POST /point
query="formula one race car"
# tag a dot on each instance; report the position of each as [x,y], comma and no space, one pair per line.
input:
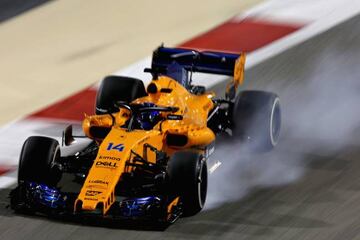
[150,149]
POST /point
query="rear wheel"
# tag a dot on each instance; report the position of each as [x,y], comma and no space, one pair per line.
[117,88]
[38,161]
[257,117]
[188,177]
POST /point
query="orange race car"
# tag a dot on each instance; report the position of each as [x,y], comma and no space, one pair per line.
[149,156]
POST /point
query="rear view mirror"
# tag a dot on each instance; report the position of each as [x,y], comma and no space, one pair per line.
[67,136]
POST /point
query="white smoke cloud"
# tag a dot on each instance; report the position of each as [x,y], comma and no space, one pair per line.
[242,172]
[321,115]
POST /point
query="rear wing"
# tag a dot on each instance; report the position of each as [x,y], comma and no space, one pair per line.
[228,64]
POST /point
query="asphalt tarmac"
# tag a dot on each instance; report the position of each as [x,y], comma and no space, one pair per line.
[310,186]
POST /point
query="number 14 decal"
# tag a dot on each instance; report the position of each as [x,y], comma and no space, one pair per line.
[120,147]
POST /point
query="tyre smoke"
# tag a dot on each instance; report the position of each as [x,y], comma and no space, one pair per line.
[321,116]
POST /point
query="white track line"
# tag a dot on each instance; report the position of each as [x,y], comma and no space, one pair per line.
[343,13]
[295,11]
[8,179]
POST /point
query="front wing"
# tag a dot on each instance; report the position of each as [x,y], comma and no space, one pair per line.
[35,198]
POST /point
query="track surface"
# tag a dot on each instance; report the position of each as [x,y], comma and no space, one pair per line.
[322,204]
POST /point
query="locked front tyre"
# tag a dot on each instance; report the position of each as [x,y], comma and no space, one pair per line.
[188,178]
[257,119]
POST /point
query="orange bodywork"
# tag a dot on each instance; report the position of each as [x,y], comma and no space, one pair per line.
[115,150]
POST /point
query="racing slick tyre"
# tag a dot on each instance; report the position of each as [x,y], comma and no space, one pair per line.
[38,161]
[257,118]
[117,88]
[188,177]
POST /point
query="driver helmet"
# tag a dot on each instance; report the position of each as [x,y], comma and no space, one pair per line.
[148,119]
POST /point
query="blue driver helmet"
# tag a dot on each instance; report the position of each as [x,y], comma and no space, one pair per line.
[148,119]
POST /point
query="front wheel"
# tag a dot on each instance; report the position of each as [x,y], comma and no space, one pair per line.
[188,177]
[38,161]
[257,118]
